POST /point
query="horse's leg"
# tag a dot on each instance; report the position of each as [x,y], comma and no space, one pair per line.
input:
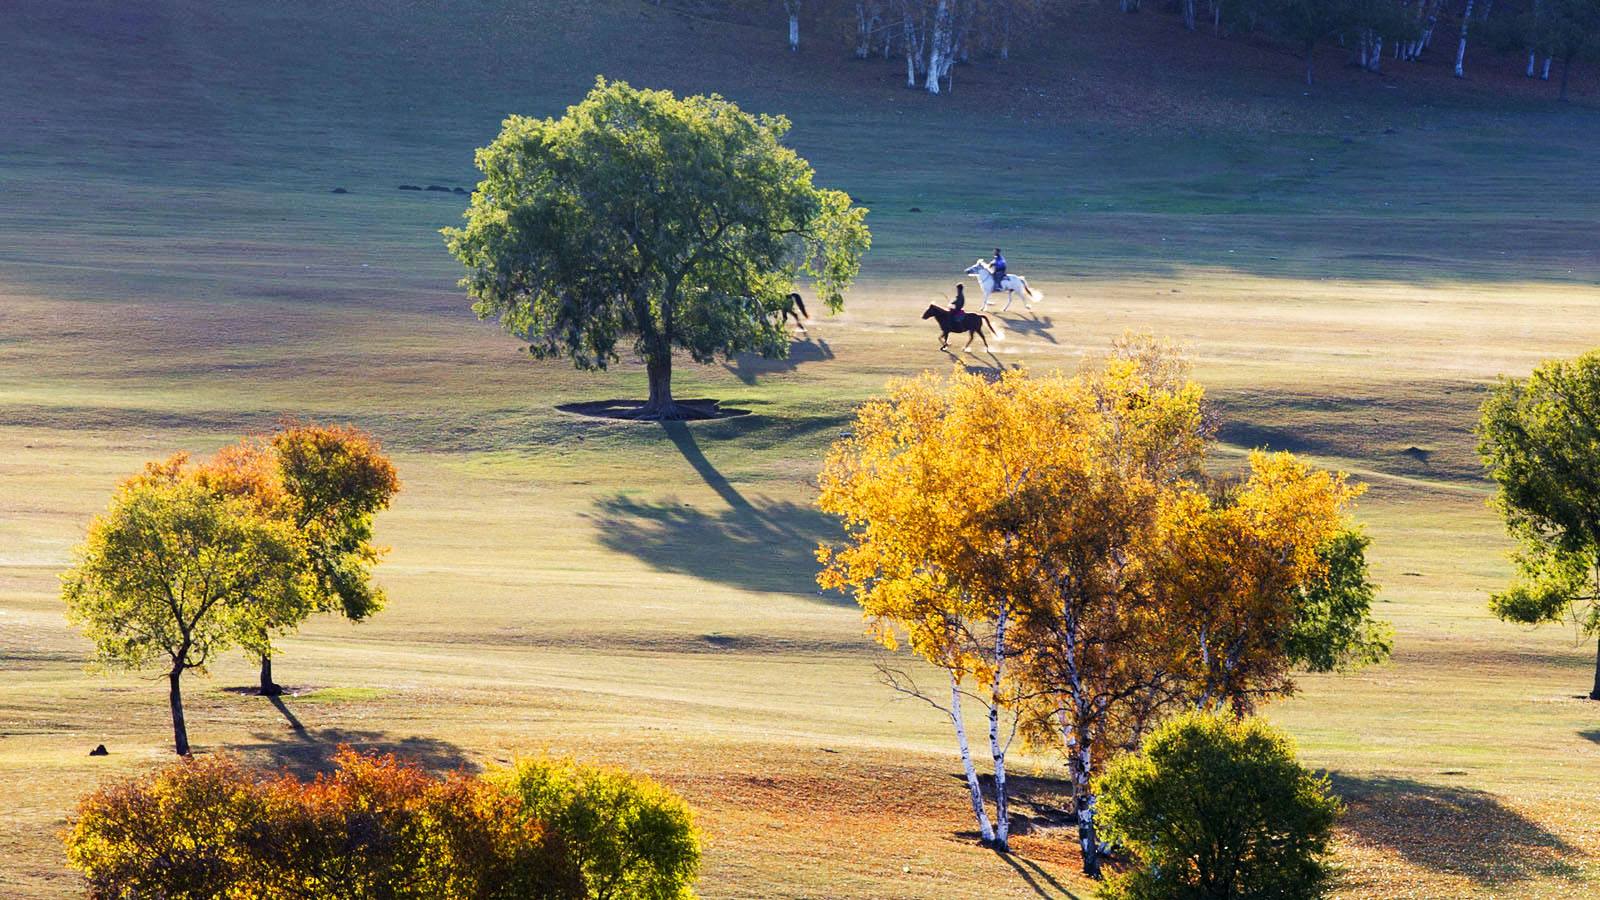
[1010,296]
[968,345]
[979,333]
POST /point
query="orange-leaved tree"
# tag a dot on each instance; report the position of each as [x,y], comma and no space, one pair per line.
[327,482]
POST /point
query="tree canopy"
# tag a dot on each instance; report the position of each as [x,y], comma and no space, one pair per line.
[674,223]
[1056,542]
[1540,440]
[176,572]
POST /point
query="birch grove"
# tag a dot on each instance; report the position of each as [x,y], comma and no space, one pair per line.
[1053,545]
[929,40]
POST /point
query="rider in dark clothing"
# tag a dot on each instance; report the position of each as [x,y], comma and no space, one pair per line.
[958,306]
[998,264]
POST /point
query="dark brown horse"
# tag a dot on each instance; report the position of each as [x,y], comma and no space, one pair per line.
[970,322]
[790,303]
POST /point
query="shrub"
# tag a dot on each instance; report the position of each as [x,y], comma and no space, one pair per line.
[632,837]
[1217,807]
[374,828]
[180,833]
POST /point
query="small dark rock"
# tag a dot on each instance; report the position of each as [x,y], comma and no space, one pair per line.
[410,187]
[99,750]
[459,190]
[916,209]
[338,191]
[439,187]
[1390,131]
[1348,140]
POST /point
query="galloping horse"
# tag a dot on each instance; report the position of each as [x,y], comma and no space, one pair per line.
[970,322]
[1011,284]
[790,303]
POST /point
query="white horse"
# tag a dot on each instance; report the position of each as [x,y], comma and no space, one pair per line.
[1011,284]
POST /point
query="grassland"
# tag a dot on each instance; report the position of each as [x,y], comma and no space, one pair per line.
[175,271]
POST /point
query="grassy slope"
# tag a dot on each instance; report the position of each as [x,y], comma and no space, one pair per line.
[175,271]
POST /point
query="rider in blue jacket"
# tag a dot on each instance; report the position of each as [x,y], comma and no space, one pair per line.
[998,264]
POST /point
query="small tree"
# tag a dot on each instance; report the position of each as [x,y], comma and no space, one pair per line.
[632,837]
[679,223]
[175,573]
[1217,808]
[1540,440]
[336,478]
[327,482]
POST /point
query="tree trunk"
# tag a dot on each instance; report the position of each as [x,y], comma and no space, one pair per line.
[660,405]
[1594,694]
[1002,814]
[1461,49]
[939,48]
[1532,58]
[180,731]
[269,688]
[794,32]
[1310,58]
[1078,763]
[1188,14]
[911,50]
[985,828]
[1545,75]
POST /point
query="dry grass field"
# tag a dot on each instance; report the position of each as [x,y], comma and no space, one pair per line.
[174,272]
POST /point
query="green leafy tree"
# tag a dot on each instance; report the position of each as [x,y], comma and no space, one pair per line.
[174,573]
[632,838]
[1540,440]
[678,223]
[1333,626]
[1217,808]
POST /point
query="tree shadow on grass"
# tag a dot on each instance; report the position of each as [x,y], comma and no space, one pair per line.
[1590,734]
[748,367]
[307,752]
[1453,830]
[759,546]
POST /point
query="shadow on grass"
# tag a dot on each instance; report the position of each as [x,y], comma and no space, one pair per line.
[1034,875]
[1033,326]
[991,372]
[307,752]
[1590,734]
[748,367]
[765,546]
[1454,830]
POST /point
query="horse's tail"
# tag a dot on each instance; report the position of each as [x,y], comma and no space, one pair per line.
[801,303]
[998,335]
[1038,296]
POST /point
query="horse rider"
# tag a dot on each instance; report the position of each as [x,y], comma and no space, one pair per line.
[958,306]
[998,267]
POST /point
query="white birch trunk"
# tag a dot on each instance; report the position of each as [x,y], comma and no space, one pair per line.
[794,32]
[984,827]
[912,51]
[1532,58]
[1461,49]
[938,46]
[1377,53]
[1545,75]
[1001,811]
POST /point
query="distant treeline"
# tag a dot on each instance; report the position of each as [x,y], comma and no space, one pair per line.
[933,36]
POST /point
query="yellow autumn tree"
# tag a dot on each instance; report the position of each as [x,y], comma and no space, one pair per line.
[1232,568]
[1054,544]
